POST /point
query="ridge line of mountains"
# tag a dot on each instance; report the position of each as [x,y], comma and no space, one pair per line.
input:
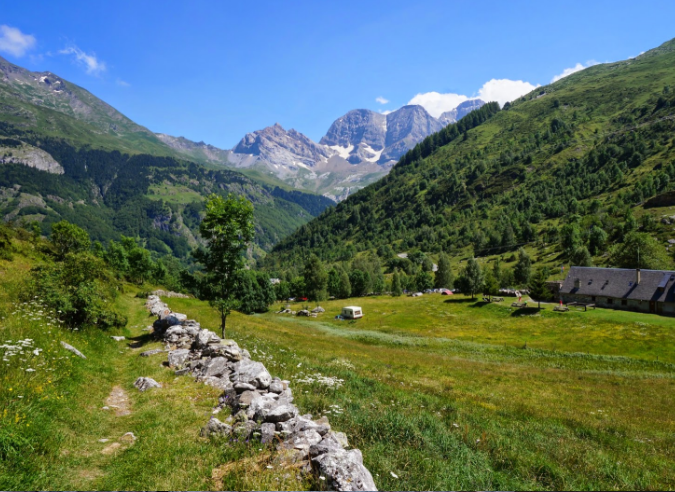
[358,148]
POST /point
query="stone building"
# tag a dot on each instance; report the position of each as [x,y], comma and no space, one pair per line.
[646,291]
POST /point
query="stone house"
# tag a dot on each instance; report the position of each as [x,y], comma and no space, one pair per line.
[646,291]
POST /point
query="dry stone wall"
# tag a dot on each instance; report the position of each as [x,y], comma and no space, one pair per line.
[261,405]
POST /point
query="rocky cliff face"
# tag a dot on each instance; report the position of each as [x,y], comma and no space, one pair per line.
[290,149]
[460,111]
[196,150]
[366,136]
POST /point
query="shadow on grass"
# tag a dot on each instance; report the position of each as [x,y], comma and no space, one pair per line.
[526,311]
[457,301]
[140,340]
[480,304]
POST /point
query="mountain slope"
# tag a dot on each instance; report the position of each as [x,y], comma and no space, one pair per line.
[593,145]
[44,102]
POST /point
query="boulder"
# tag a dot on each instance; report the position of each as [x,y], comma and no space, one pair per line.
[303,312]
[344,470]
[331,442]
[267,433]
[178,357]
[305,439]
[250,372]
[144,384]
[222,383]
[281,413]
[215,367]
[204,338]
[151,352]
[276,387]
[247,397]
[243,430]
[242,387]
[260,407]
[72,349]
[318,309]
[215,427]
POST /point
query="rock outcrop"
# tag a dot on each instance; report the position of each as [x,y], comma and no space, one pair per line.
[261,406]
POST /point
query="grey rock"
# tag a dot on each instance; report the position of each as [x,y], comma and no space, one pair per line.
[215,367]
[305,439]
[215,427]
[247,397]
[178,357]
[118,339]
[151,352]
[276,387]
[204,338]
[344,470]
[144,384]
[281,413]
[222,383]
[243,430]
[330,442]
[318,309]
[250,372]
[175,330]
[72,349]
[182,372]
[242,387]
[267,433]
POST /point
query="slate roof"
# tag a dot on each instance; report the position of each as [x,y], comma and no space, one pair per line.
[619,283]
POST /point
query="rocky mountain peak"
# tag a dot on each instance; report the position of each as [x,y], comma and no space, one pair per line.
[454,115]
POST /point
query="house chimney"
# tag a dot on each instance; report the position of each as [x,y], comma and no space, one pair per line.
[638,277]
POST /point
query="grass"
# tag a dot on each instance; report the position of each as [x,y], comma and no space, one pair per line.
[51,420]
[445,395]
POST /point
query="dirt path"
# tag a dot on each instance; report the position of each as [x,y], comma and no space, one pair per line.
[118,400]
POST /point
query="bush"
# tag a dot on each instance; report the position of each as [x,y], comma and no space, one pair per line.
[80,289]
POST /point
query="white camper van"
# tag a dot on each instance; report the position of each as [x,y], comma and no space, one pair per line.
[352,312]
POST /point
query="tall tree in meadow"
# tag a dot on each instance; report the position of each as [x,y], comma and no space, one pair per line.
[522,270]
[316,279]
[345,287]
[443,278]
[396,289]
[471,279]
[228,230]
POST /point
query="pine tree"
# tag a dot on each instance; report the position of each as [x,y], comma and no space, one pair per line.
[316,279]
[444,278]
[396,289]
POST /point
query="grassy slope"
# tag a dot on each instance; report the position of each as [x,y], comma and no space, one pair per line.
[440,393]
[443,394]
[51,420]
[592,102]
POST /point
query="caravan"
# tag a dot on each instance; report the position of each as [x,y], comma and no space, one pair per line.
[352,312]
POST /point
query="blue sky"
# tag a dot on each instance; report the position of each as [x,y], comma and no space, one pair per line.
[215,70]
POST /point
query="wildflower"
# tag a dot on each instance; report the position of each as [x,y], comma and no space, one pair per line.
[393,474]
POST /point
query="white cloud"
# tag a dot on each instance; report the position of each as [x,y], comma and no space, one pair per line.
[122,83]
[91,64]
[436,103]
[381,100]
[14,42]
[504,90]
[576,68]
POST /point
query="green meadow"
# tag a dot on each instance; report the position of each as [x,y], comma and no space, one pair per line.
[438,393]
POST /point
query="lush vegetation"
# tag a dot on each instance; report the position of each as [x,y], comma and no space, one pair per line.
[562,172]
[112,194]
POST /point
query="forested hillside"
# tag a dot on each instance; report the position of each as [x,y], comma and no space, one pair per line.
[156,199]
[564,171]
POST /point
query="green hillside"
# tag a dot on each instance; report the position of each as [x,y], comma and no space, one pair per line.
[545,173]
[157,199]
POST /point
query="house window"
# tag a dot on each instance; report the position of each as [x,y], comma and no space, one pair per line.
[624,302]
[610,301]
[593,298]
